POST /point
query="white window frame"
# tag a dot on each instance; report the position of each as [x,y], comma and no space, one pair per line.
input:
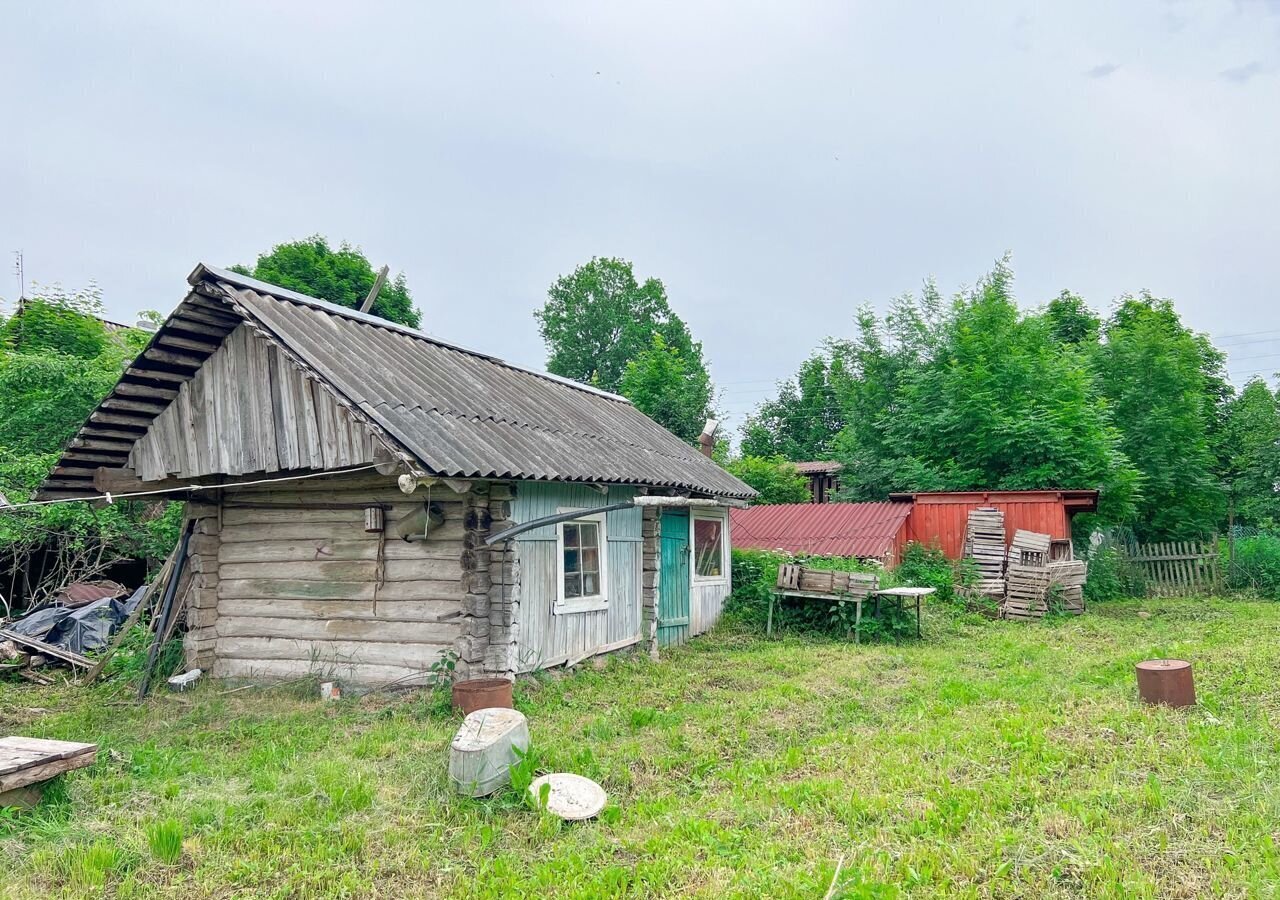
[596,601]
[718,516]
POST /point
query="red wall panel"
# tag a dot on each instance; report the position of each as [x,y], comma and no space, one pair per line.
[940,519]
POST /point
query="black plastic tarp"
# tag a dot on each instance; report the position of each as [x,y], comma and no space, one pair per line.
[84,630]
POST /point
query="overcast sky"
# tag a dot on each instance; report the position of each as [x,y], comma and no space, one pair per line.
[776,165]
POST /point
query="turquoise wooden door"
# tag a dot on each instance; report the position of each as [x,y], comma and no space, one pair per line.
[673,585]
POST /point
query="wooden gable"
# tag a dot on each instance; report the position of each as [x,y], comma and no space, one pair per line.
[249,409]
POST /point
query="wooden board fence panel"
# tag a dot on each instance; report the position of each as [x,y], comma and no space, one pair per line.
[1178,568]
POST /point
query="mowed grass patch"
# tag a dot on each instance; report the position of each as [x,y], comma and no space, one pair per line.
[990,760]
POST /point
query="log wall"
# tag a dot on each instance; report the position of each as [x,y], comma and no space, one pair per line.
[296,586]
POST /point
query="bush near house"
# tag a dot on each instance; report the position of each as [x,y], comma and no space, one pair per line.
[1256,566]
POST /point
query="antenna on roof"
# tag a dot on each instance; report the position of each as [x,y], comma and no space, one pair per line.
[373,292]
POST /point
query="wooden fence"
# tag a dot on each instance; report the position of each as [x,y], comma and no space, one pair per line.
[1178,568]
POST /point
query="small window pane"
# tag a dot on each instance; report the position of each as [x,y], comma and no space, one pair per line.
[590,534]
[590,584]
[571,535]
[571,563]
[591,560]
[708,548]
[572,585]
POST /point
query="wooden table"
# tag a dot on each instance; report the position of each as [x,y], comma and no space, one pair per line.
[857,599]
[904,594]
[25,763]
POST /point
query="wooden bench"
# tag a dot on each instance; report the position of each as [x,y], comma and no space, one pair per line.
[795,582]
[26,763]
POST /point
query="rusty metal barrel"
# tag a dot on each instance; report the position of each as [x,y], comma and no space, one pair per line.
[1166,681]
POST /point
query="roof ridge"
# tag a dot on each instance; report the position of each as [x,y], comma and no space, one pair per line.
[206,272]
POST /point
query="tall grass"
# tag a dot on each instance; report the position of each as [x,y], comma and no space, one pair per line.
[165,840]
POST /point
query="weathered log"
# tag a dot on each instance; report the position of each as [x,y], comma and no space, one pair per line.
[336,629]
[388,610]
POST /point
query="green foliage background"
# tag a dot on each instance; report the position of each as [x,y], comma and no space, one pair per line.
[57,360]
[975,392]
[774,477]
[343,276]
[604,328]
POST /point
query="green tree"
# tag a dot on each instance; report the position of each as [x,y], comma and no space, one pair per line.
[57,361]
[599,318]
[972,393]
[1252,442]
[1163,387]
[669,388]
[803,420]
[774,477]
[343,276]
[1072,321]
[67,322]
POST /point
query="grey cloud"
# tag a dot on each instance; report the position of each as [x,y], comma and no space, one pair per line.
[1103,70]
[477,151]
[1241,74]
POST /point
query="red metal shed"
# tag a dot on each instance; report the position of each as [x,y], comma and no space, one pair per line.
[940,518]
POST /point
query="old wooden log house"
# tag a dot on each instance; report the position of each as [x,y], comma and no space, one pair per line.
[405,456]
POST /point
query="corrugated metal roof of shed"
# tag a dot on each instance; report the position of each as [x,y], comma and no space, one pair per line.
[467,414]
[818,467]
[864,530]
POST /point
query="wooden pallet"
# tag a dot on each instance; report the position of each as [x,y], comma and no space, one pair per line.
[1029,548]
[26,763]
[1027,592]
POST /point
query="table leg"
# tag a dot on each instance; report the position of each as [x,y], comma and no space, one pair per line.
[857,622]
[768,629]
[918,599]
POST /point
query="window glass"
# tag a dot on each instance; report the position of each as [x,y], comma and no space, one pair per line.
[581,563]
[708,548]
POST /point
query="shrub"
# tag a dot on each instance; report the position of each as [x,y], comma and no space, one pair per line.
[923,566]
[1257,566]
[1111,575]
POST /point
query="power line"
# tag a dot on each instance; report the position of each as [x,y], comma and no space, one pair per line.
[110,498]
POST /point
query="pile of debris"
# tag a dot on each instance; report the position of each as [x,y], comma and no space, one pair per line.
[1026,577]
[81,619]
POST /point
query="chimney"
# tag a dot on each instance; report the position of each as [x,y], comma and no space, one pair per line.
[707,440]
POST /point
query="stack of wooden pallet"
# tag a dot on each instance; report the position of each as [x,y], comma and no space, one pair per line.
[984,544]
[1033,581]
[1027,591]
[1066,584]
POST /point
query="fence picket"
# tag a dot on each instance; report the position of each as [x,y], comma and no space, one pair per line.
[1177,568]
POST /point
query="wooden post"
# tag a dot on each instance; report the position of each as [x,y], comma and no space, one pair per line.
[373,292]
[1231,531]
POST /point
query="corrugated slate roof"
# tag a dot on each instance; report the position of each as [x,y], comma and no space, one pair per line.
[864,530]
[461,413]
[817,467]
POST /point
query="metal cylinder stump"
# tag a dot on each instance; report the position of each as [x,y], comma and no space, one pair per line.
[1166,681]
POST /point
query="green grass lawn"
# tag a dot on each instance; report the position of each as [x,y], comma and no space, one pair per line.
[991,760]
